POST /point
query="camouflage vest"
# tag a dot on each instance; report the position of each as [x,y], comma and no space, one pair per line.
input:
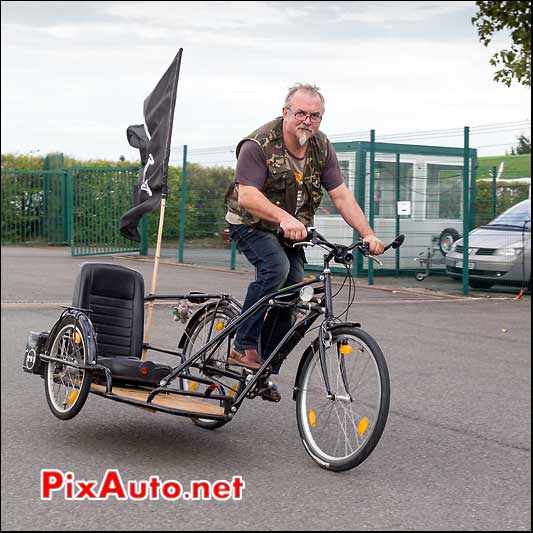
[280,185]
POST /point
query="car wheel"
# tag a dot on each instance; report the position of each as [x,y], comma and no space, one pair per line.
[447,237]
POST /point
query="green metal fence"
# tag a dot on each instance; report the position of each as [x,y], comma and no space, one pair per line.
[80,207]
[34,207]
[417,189]
[98,197]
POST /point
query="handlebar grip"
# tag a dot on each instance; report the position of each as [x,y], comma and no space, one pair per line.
[281,234]
[396,243]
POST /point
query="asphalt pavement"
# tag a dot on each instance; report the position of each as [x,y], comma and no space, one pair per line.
[455,454]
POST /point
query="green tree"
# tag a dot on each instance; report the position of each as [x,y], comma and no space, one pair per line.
[22,162]
[516,17]
[524,145]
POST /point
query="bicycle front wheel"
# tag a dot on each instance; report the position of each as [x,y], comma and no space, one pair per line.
[340,430]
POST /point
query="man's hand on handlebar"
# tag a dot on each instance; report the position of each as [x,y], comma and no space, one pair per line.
[293,229]
[375,246]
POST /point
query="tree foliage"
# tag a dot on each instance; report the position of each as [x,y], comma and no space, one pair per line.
[22,162]
[515,16]
[524,145]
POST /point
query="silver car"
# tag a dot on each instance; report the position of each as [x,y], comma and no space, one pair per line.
[498,252]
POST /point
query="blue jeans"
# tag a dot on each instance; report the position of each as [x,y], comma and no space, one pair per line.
[276,266]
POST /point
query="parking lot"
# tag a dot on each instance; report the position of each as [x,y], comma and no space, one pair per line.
[455,454]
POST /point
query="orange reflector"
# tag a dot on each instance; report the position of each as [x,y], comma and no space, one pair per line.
[192,386]
[345,349]
[233,391]
[219,326]
[362,426]
[312,418]
[72,397]
[77,338]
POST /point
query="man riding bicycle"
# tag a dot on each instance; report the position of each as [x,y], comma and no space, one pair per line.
[281,170]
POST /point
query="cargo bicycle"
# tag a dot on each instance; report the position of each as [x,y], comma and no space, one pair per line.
[341,388]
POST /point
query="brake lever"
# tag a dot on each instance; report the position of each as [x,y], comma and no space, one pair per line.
[370,256]
[302,244]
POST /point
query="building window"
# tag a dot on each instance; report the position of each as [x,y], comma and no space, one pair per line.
[444,191]
[385,192]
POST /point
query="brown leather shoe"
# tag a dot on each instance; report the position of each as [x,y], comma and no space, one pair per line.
[249,359]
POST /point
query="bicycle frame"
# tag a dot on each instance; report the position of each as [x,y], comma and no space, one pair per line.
[282,350]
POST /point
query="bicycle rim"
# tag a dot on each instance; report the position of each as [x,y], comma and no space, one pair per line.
[339,432]
[210,325]
[67,387]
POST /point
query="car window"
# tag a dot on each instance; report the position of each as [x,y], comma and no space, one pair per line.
[518,215]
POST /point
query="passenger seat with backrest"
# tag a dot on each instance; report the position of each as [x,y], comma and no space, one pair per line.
[114,295]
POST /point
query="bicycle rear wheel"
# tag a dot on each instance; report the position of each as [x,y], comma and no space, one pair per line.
[340,431]
[67,387]
[208,324]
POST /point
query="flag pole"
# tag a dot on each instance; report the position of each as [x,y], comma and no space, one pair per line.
[154,278]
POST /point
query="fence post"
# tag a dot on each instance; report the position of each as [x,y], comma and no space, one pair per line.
[371,198]
[183,204]
[494,173]
[397,232]
[360,192]
[143,249]
[473,190]
[233,258]
[466,209]
[68,208]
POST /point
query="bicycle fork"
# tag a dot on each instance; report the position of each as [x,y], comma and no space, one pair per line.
[324,335]
[324,342]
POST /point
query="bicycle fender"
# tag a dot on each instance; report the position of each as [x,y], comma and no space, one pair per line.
[85,325]
[313,348]
[199,314]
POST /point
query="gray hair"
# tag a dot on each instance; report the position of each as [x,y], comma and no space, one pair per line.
[307,87]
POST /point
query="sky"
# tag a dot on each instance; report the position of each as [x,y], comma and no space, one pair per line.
[75,74]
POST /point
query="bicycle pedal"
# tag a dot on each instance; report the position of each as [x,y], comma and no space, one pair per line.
[270,393]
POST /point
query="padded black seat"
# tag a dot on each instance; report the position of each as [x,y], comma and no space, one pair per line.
[115,296]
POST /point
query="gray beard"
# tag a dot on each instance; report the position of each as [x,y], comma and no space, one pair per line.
[302,139]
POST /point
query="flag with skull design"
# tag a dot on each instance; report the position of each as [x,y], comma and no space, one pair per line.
[153,141]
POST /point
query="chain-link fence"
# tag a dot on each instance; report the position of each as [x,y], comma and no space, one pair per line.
[432,186]
[417,187]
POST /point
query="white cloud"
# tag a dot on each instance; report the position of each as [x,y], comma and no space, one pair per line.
[77,87]
[378,13]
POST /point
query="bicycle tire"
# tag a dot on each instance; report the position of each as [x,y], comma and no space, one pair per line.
[209,322]
[361,410]
[66,387]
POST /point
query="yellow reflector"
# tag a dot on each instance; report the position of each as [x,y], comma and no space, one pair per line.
[345,349]
[72,397]
[362,426]
[219,326]
[192,386]
[312,418]
[77,338]
[233,391]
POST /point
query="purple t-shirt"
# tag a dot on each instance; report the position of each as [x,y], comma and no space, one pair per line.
[252,169]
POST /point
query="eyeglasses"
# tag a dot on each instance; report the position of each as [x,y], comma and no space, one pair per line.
[302,115]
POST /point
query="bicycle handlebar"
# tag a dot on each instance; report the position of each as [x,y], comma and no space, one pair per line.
[340,252]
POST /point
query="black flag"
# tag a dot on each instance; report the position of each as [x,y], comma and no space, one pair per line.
[151,185]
